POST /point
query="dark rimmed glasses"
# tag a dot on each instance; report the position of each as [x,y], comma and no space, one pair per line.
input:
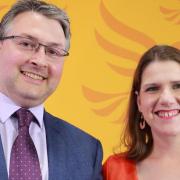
[32,45]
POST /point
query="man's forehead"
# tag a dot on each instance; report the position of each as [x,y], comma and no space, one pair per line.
[37,25]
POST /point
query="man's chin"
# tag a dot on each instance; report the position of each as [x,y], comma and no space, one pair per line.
[28,100]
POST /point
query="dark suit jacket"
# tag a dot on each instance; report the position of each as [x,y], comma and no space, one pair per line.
[72,154]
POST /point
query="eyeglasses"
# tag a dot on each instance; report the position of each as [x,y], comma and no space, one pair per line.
[32,45]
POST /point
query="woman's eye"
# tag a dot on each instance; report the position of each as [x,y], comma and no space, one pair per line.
[151,89]
[176,86]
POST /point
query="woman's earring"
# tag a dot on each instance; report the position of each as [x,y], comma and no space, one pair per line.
[142,123]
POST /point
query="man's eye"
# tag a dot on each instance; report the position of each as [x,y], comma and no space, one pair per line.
[52,52]
[27,44]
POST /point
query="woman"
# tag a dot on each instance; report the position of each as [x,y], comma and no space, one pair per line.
[152,134]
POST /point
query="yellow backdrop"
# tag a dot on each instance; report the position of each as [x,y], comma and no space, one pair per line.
[108,37]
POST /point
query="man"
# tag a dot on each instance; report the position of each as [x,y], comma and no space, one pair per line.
[34,40]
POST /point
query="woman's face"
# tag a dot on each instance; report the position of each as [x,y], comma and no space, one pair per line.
[159,97]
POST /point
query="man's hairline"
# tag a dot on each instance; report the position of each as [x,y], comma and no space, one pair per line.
[9,24]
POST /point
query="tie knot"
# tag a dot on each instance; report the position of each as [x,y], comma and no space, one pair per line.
[24,117]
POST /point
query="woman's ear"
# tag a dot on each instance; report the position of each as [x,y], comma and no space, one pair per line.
[1,44]
[138,101]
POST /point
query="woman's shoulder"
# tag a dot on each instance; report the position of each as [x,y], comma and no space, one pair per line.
[120,167]
[118,160]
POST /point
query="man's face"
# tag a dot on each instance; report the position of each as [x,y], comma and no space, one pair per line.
[29,80]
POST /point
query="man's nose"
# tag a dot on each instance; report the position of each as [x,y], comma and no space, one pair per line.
[39,56]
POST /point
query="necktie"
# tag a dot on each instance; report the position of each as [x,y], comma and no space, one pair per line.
[24,163]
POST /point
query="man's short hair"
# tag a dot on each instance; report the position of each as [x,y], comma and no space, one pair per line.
[48,10]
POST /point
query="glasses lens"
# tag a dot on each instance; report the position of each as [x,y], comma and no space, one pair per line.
[55,52]
[31,46]
[25,43]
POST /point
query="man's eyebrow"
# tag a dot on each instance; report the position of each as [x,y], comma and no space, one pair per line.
[47,43]
[28,36]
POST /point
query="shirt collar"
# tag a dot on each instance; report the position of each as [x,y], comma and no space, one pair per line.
[8,107]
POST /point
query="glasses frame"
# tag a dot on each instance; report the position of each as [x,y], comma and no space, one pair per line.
[38,44]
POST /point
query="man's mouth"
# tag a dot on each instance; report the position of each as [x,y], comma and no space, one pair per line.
[33,75]
[167,113]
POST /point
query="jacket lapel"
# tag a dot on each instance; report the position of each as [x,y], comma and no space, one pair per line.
[55,148]
[3,169]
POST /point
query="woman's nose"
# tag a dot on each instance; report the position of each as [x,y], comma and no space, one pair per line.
[167,97]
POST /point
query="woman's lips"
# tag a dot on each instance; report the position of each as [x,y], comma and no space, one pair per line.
[167,114]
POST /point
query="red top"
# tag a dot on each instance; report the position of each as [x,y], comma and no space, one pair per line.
[118,168]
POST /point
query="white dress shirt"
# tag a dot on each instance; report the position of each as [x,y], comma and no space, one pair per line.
[9,132]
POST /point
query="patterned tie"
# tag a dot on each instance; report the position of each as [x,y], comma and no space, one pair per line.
[24,163]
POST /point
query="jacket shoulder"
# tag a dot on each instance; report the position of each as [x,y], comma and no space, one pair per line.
[69,130]
[71,146]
